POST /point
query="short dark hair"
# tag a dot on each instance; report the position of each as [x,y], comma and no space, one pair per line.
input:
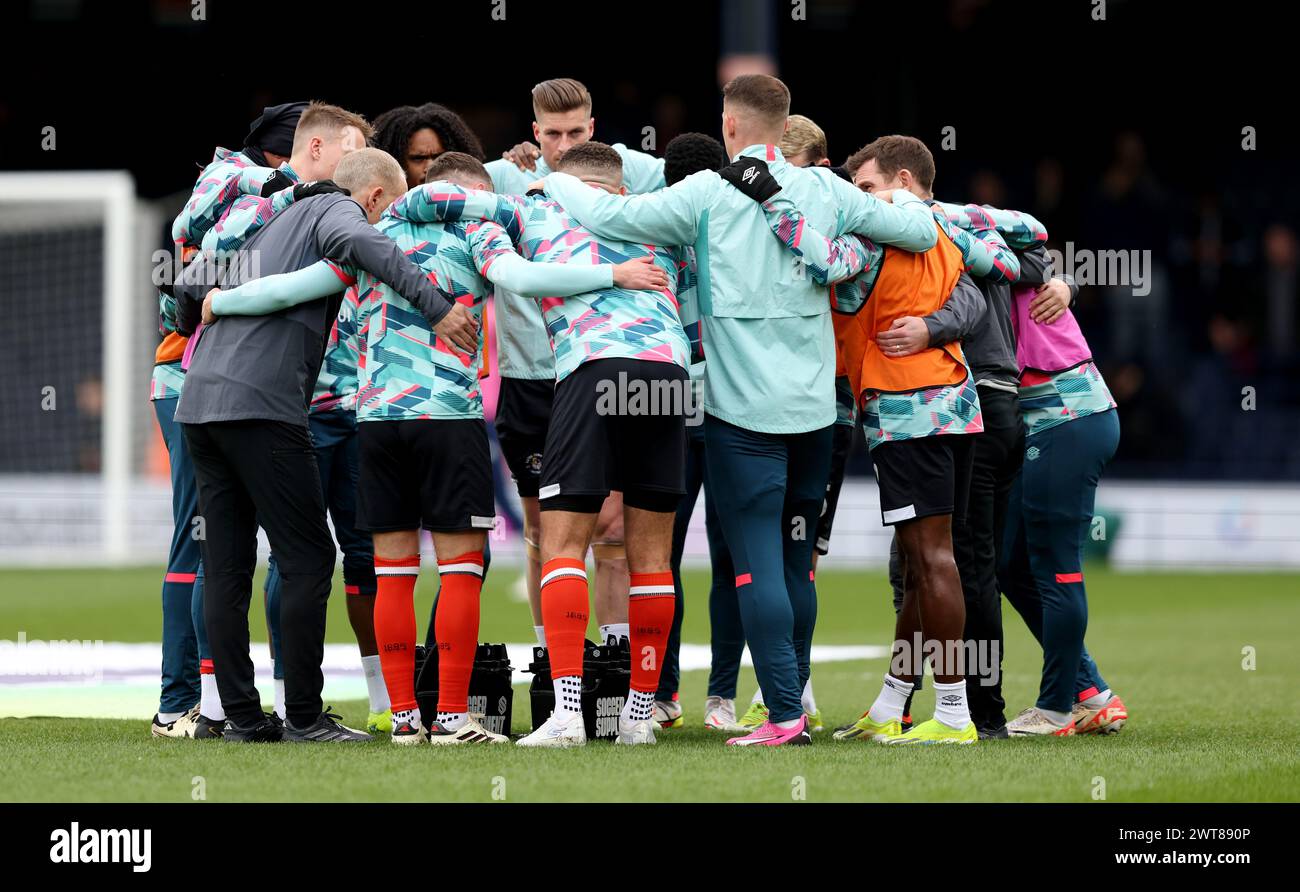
[452,164]
[895,153]
[591,157]
[690,153]
[761,94]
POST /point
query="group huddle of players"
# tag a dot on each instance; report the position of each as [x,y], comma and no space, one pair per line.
[769,304]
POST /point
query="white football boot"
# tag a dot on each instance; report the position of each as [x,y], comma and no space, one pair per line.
[180,728]
[635,733]
[720,715]
[470,732]
[567,731]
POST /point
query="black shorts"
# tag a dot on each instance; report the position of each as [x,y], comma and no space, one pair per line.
[435,474]
[618,424]
[923,477]
[522,419]
[841,442]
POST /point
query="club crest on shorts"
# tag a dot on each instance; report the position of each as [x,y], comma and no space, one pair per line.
[534,463]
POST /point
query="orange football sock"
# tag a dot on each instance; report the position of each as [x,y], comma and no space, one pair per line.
[455,626]
[395,627]
[650,605]
[565,612]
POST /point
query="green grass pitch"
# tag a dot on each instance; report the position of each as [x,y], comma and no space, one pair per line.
[1202,727]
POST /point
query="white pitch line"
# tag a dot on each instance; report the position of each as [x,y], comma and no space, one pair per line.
[120,680]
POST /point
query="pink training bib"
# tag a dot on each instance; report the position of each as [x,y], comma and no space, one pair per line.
[1047,348]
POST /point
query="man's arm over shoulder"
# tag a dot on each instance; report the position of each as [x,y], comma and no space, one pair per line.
[983,251]
[668,217]
[441,202]
[244,218]
[279,291]
[343,234]
[1018,229]
[828,260]
[884,223]
[218,186]
[495,258]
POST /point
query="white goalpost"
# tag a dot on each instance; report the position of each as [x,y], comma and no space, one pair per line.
[35,210]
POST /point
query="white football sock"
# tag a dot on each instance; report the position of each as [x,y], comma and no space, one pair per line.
[758,696]
[452,721]
[950,706]
[808,700]
[639,706]
[568,696]
[407,715]
[786,726]
[376,690]
[210,700]
[279,697]
[890,701]
[615,631]
[540,632]
[1097,701]
[166,718]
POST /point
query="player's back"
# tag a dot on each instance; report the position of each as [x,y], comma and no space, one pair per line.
[761,279]
[612,322]
[407,371]
[765,318]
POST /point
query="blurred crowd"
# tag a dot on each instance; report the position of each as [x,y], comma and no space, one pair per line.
[1202,357]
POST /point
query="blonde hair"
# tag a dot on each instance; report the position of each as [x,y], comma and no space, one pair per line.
[560,94]
[359,170]
[328,121]
[803,136]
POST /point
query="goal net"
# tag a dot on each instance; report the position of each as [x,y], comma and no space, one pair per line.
[79,480]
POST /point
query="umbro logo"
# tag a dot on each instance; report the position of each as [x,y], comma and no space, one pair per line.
[750,174]
[1032,453]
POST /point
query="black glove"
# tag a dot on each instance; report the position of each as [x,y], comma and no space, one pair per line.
[751,176]
[318,187]
[280,180]
[275,182]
